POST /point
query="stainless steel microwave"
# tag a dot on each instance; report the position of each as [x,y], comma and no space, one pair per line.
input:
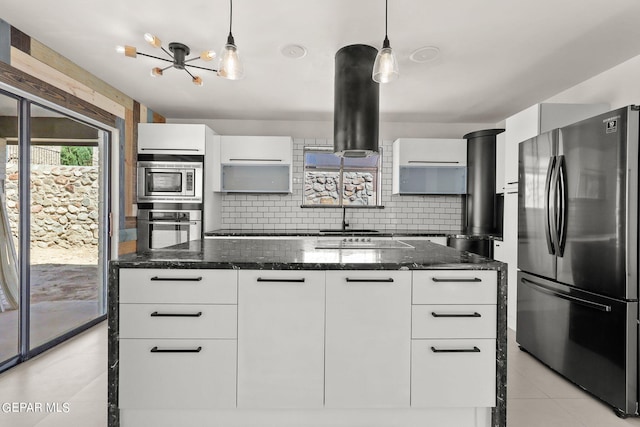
[169,182]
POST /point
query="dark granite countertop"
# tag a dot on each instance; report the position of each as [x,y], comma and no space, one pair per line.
[311,232]
[297,254]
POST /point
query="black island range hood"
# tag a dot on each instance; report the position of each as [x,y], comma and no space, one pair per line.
[356,102]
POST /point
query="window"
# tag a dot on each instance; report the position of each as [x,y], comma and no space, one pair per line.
[331,180]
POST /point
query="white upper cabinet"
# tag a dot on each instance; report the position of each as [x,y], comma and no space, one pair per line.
[253,164]
[173,138]
[538,119]
[429,166]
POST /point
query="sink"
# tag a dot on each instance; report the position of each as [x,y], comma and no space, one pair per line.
[354,231]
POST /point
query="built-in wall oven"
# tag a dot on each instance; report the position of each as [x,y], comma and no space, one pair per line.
[169,179]
[160,228]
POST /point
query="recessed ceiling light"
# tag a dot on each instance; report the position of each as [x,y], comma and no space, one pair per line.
[424,54]
[293,51]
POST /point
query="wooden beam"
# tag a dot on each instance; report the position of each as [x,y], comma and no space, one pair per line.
[20,40]
[130,157]
[127,247]
[42,71]
[53,59]
[24,81]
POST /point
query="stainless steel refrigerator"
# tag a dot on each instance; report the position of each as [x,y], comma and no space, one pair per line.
[577,291]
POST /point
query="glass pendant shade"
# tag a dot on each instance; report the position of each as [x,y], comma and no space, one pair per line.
[230,65]
[385,67]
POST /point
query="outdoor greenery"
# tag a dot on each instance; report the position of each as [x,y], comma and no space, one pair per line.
[76,156]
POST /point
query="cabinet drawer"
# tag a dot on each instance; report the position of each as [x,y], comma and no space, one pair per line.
[453,321]
[455,287]
[453,373]
[179,286]
[177,374]
[178,321]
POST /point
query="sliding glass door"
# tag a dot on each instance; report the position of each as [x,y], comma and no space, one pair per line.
[53,238]
[9,230]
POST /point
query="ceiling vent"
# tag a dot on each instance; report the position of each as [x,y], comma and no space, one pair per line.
[356,102]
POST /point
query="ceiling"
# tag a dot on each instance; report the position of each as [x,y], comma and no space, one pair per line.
[497,57]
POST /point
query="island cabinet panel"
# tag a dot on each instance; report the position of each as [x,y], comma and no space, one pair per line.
[177,340]
[455,287]
[453,373]
[368,339]
[177,374]
[178,286]
[453,350]
[281,339]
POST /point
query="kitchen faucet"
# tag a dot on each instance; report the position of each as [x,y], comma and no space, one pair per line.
[345,224]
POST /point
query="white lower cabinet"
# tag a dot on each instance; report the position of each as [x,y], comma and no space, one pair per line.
[177,374]
[368,339]
[453,373]
[306,347]
[281,339]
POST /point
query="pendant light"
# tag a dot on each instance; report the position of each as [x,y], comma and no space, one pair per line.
[230,66]
[385,68]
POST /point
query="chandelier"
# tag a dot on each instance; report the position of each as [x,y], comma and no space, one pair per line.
[229,66]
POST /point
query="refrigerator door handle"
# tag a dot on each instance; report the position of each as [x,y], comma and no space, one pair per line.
[586,303]
[562,201]
[547,207]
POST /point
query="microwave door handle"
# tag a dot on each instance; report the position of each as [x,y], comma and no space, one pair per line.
[562,205]
[547,206]
[148,181]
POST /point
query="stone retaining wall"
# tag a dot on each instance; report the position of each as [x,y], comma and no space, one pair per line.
[64,205]
[321,188]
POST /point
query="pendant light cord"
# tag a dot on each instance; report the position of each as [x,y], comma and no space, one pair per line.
[385,43]
[231,14]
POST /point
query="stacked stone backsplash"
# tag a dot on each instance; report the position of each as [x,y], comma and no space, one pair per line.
[283,211]
[64,205]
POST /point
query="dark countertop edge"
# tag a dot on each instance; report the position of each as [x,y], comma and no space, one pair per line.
[169,264]
[316,233]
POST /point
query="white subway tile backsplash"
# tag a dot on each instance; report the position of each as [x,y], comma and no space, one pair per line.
[271,211]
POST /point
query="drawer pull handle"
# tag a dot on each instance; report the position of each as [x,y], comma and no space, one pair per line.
[453,279]
[255,160]
[175,279]
[388,280]
[176,350]
[262,279]
[456,350]
[156,314]
[474,314]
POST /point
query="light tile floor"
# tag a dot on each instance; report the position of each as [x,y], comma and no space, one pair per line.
[76,373]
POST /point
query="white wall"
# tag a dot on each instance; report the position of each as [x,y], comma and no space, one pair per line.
[618,86]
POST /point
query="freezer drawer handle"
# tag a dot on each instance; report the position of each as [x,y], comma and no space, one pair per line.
[176,350]
[474,314]
[455,350]
[156,314]
[262,279]
[453,279]
[176,279]
[590,304]
[388,280]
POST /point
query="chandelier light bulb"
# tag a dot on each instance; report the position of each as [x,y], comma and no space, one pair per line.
[197,80]
[156,72]
[208,55]
[152,40]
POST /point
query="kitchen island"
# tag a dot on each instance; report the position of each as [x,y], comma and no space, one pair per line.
[243,332]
